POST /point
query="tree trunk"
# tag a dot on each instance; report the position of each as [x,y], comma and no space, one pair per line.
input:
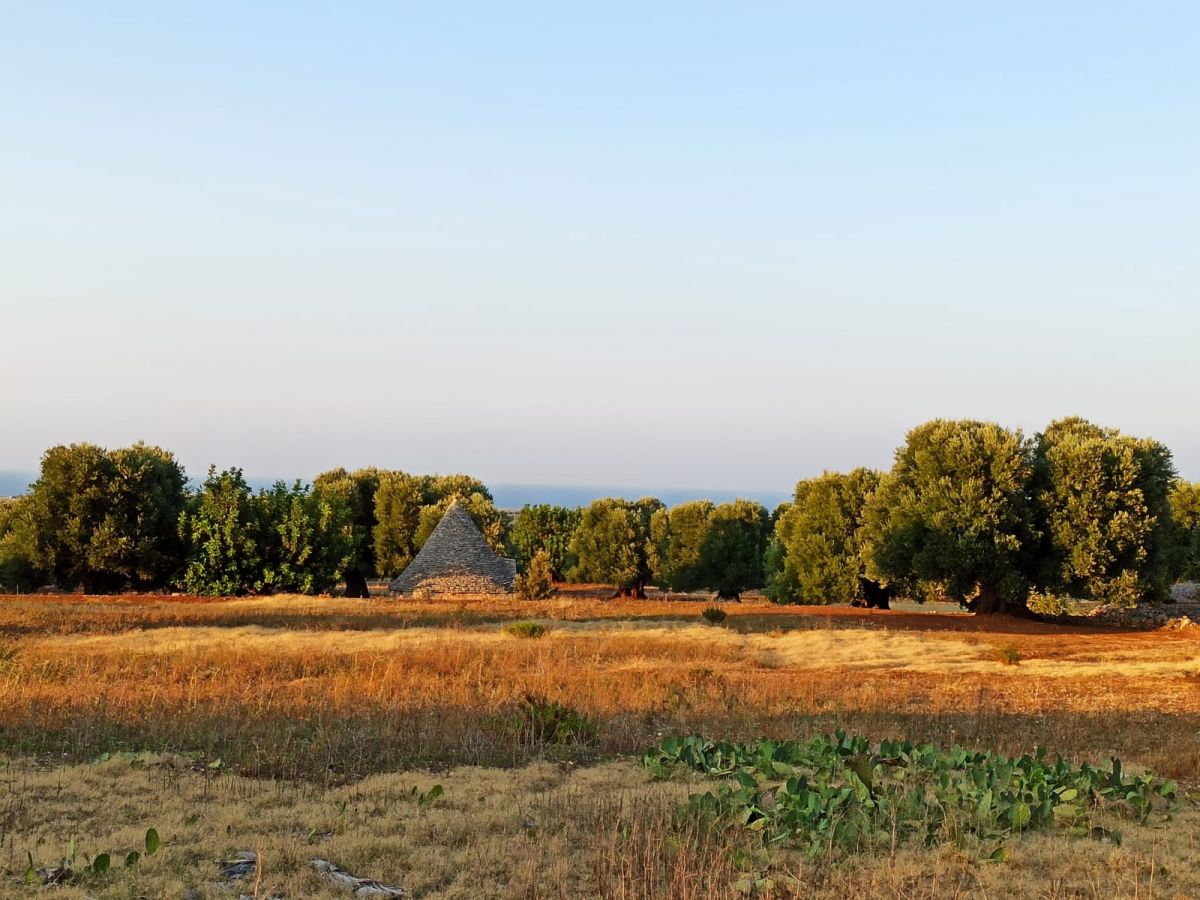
[356,584]
[988,602]
[735,596]
[873,595]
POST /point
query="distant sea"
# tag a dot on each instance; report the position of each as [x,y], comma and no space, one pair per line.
[514,496]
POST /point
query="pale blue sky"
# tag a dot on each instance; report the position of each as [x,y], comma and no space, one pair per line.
[690,245]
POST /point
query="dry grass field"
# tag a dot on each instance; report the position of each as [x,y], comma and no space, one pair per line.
[300,727]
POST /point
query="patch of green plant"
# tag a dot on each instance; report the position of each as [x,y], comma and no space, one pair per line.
[846,793]
[525,629]
[429,797]
[1008,655]
[538,720]
[69,868]
[1048,604]
[714,615]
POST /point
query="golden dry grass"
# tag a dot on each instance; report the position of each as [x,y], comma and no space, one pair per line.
[540,831]
[326,693]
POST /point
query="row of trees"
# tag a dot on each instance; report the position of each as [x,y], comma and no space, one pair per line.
[983,515]
[970,510]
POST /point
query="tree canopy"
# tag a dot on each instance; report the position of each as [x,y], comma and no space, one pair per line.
[544,527]
[282,539]
[1103,501]
[818,534]
[955,509]
[105,519]
[1185,515]
[611,544]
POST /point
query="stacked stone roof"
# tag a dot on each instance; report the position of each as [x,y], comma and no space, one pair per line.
[456,559]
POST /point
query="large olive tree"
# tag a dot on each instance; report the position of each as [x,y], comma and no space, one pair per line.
[956,510]
[1104,504]
[677,539]
[818,538]
[700,546]
[611,544]
[106,519]
[731,558]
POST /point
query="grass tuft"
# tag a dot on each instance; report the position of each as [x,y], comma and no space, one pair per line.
[525,629]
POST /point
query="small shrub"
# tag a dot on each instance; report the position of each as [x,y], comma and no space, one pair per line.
[538,720]
[525,629]
[1048,604]
[537,581]
[1008,655]
[714,615]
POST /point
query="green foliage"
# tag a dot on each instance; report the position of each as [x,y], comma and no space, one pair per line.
[714,615]
[698,545]
[429,797]
[70,871]
[819,554]
[282,539]
[550,722]
[398,514]
[536,582]
[105,519]
[1044,603]
[611,544]
[221,531]
[677,539]
[525,629]
[17,553]
[1185,515]
[409,507]
[843,793]
[956,510]
[539,721]
[544,527]
[1008,654]
[1104,504]
[306,539]
[732,556]
[356,492]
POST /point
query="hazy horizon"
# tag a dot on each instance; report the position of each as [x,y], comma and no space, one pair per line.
[695,247]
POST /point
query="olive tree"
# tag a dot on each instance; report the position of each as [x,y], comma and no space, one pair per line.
[106,519]
[677,538]
[698,545]
[731,558]
[307,539]
[285,538]
[17,570]
[611,544]
[355,491]
[1103,499]
[1185,513]
[955,510]
[544,527]
[818,540]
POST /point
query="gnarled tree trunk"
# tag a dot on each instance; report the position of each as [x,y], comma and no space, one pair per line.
[356,584]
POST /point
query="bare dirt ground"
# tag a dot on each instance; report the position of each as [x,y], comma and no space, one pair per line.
[299,727]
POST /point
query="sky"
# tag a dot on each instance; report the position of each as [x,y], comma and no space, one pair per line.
[711,246]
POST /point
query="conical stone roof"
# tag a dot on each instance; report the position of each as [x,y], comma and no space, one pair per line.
[456,559]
